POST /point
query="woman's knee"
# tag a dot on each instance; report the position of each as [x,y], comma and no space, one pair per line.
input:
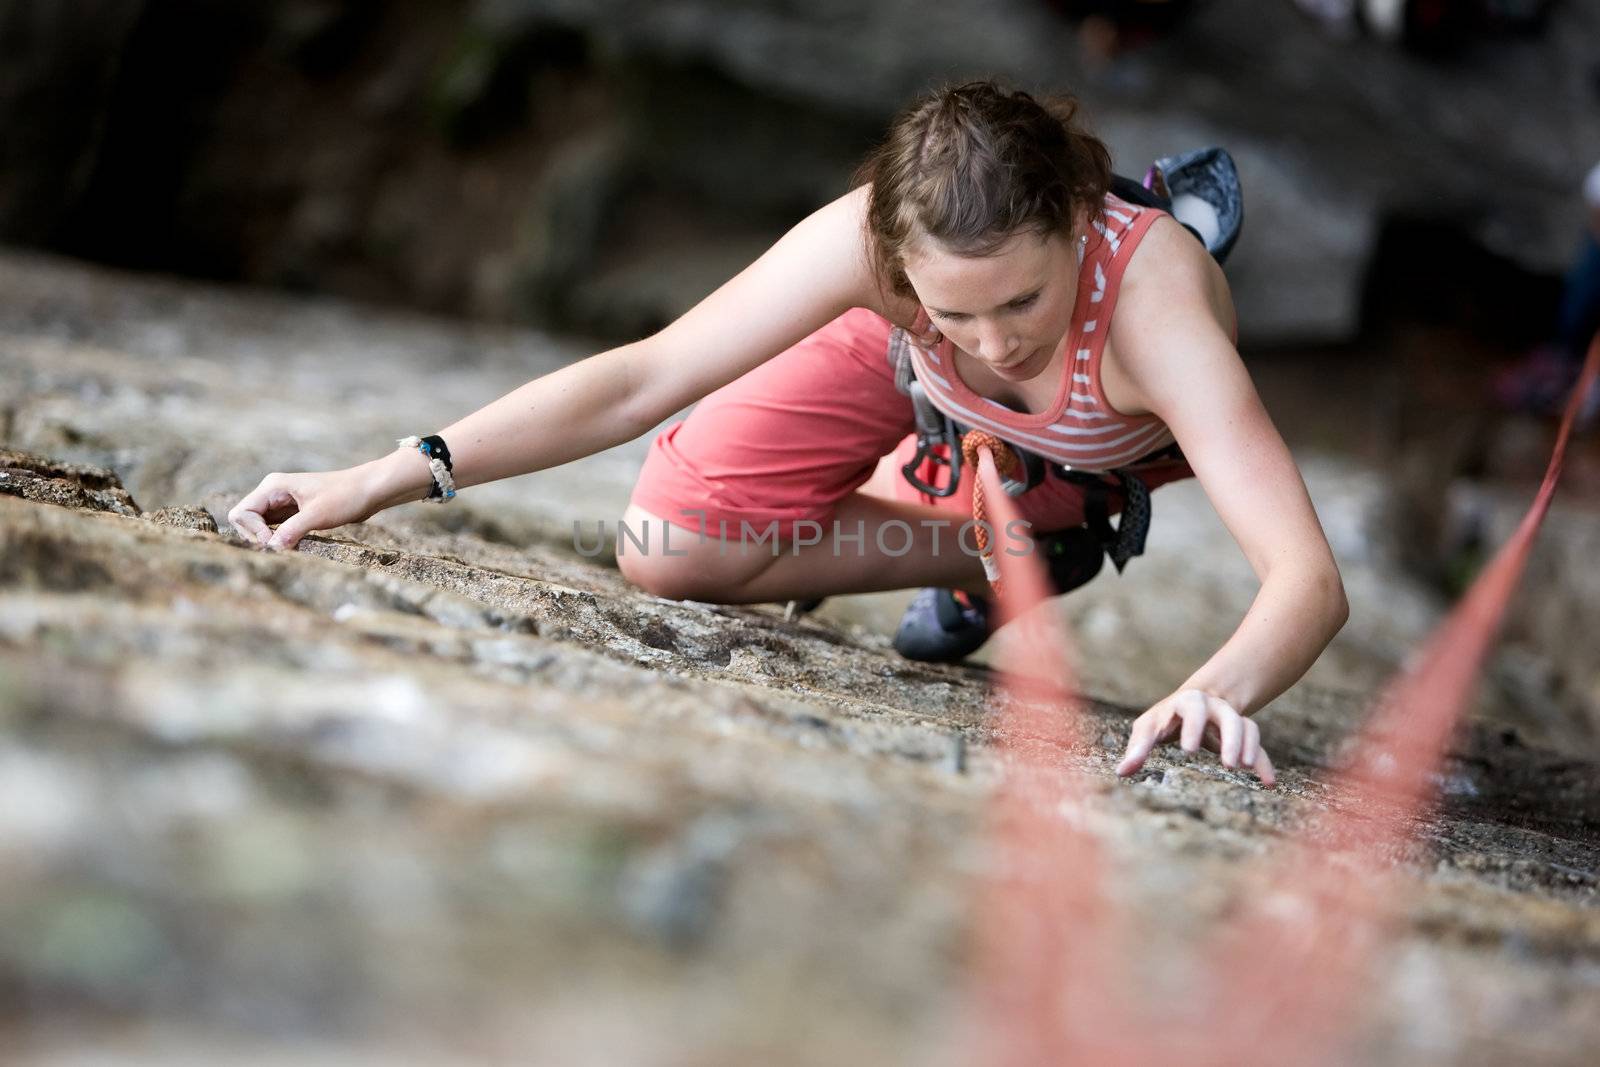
[662,577]
[683,579]
[695,570]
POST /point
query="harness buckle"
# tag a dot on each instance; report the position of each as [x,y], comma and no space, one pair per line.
[934,428]
[1033,471]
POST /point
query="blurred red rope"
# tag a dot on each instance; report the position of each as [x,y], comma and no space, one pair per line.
[1051,958]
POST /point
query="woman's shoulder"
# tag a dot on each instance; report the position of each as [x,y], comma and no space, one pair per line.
[1170,266]
[1173,298]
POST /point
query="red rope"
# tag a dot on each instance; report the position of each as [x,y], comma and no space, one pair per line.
[1008,465]
[1054,961]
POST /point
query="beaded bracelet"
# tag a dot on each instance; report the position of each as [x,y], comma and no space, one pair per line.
[438,453]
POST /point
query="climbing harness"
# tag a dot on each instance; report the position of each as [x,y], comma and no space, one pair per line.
[1199,189]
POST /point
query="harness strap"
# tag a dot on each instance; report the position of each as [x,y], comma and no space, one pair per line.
[935,428]
[1125,540]
[900,359]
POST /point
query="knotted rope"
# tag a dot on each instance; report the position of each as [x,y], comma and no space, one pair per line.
[1008,465]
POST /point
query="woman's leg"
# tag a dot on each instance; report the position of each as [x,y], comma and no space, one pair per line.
[773,461]
[786,485]
[880,537]
[869,545]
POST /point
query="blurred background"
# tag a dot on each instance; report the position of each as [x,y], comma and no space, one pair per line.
[599,165]
[467,796]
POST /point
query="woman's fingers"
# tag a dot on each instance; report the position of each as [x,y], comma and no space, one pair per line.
[1250,754]
[1145,735]
[1230,724]
[1140,742]
[1264,769]
[251,515]
[274,502]
[1251,745]
[249,525]
[1192,706]
[1200,719]
[297,504]
[292,529]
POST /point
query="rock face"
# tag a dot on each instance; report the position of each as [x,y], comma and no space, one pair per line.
[606,164]
[439,789]
[72,485]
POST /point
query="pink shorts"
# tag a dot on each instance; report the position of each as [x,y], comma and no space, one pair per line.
[790,439]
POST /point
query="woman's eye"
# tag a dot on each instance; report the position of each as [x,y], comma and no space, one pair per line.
[1016,305]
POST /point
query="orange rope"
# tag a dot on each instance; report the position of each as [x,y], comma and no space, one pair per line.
[1009,465]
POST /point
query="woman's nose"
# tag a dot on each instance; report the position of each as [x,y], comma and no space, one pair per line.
[996,344]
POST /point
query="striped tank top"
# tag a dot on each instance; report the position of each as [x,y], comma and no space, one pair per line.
[1080,429]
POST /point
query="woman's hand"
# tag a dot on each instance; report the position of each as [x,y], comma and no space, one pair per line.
[1203,719]
[300,503]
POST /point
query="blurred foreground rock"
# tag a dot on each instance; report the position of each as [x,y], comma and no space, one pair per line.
[438,789]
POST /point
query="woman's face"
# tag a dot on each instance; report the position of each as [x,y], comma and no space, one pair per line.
[1011,309]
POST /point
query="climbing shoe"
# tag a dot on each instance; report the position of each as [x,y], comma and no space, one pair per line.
[945,625]
[942,626]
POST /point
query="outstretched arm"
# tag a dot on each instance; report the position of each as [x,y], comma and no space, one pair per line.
[1175,350]
[814,273]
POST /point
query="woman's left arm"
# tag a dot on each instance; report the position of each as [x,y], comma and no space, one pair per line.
[1173,348]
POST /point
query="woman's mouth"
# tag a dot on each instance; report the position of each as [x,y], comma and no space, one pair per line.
[1014,364]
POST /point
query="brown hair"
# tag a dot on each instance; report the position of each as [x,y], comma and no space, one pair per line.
[972,164]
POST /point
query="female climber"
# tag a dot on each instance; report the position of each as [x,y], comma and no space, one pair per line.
[980,276]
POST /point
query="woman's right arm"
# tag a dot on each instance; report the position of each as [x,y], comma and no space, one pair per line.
[813,274]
